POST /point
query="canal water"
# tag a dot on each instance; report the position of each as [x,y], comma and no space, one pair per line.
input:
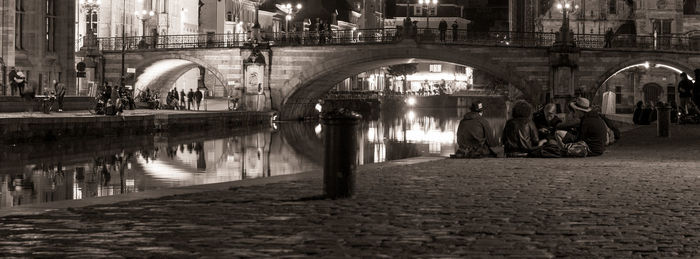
[81,169]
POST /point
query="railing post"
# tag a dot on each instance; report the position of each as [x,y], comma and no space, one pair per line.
[341,145]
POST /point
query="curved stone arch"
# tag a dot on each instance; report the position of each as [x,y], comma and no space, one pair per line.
[150,60]
[600,81]
[315,80]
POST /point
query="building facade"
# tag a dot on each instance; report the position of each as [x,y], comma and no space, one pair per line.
[429,16]
[36,37]
[132,18]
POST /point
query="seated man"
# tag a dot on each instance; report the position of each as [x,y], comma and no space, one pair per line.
[520,136]
[546,121]
[592,129]
[475,138]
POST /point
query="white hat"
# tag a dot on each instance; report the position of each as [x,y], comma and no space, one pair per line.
[581,104]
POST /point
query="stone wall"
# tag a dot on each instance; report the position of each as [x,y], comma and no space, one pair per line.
[14,130]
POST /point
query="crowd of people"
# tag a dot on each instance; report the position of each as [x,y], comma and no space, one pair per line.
[583,132]
[184,101]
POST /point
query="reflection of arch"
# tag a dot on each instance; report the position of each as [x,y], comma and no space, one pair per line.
[311,84]
[658,62]
[652,92]
[162,71]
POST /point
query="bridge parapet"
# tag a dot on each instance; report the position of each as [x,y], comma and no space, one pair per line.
[672,42]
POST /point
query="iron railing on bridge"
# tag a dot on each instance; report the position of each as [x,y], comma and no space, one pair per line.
[675,42]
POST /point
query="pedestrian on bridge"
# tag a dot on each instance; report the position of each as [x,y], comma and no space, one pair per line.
[443,30]
[454,31]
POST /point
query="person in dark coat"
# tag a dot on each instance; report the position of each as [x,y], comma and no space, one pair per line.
[546,121]
[198,98]
[13,84]
[685,93]
[443,30]
[455,26]
[182,99]
[520,133]
[637,115]
[60,89]
[190,99]
[475,138]
[592,129]
[696,88]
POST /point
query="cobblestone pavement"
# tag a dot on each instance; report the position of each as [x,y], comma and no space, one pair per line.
[639,199]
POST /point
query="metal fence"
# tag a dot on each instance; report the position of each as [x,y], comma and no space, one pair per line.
[675,42]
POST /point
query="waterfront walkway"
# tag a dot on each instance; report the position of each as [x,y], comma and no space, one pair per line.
[639,199]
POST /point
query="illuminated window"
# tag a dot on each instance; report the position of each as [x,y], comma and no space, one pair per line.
[51,26]
[19,24]
[436,68]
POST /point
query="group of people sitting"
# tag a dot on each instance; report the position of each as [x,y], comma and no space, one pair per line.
[584,132]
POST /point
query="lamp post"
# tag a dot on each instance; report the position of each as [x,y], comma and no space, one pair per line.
[427,4]
[290,11]
[566,7]
[144,16]
[91,7]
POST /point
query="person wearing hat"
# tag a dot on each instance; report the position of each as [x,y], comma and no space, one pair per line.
[592,128]
[475,138]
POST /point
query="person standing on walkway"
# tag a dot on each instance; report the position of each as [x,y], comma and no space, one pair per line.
[198,98]
[685,88]
[443,30]
[13,82]
[475,138]
[176,98]
[190,99]
[182,99]
[696,88]
[592,129]
[455,26]
[60,89]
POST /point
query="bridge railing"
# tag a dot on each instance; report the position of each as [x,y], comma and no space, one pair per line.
[173,42]
[378,36]
[497,38]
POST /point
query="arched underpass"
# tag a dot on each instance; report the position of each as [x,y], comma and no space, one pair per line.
[161,76]
[301,103]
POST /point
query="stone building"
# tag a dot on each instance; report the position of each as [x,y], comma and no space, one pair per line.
[36,37]
[109,18]
[430,16]
[646,82]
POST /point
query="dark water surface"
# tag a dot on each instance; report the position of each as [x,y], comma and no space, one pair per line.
[87,168]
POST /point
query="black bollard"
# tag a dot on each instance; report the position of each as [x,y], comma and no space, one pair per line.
[663,117]
[341,158]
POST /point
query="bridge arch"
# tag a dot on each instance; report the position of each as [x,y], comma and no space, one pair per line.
[311,83]
[672,64]
[159,72]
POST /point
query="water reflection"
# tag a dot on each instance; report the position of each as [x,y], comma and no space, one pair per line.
[92,168]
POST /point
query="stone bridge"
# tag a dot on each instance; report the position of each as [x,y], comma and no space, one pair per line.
[291,79]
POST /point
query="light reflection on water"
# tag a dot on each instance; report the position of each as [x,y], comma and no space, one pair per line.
[80,170]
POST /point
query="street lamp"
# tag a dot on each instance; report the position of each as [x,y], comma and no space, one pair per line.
[428,4]
[290,11]
[91,7]
[566,7]
[144,16]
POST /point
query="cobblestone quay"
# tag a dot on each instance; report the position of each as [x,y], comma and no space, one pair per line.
[639,199]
